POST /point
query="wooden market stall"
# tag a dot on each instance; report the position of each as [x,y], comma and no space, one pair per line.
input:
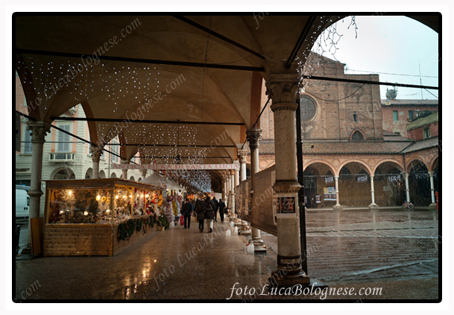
[98,216]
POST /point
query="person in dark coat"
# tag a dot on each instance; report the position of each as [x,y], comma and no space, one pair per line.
[221,209]
[200,211]
[186,211]
[216,207]
[209,212]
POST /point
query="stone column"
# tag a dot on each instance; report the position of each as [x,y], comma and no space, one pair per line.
[38,129]
[407,189]
[337,206]
[237,174]
[243,155]
[95,156]
[432,205]
[283,89]
[227,190]
[224,188]
[232,190]
[124,172]
[373,205]
[254,136]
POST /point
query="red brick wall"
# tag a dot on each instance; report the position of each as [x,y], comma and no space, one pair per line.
[400,126]
[418,133]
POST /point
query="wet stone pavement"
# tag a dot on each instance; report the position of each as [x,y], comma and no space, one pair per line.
[395,250]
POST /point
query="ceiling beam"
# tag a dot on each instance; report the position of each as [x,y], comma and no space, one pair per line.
[144,121]
[24,52]
[313,77]
[172,145]
[300,41]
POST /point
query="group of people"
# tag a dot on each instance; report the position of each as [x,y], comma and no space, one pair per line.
[204,210]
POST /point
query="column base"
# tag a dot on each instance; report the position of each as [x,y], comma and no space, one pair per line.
[338,207]
[277,280]
[259,247]
[373,206]
[433,206]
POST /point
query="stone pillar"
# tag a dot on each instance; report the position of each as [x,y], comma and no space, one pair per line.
[237,174]
[373,205]
[124,172]
[432,205]
[407,189]
[38,129]
[254,136]
[232,190]
[243,155]
[95,156]
[283,89]
[337,206]
[224,188]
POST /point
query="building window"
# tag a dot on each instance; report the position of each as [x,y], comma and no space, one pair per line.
[308,108]
[63,138]
[395,115]
[426,132]
[27,140]
[354,117]
[357,136]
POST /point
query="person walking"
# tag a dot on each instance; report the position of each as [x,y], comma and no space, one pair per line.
[216,207]
[209,212]
[221,209]
[200,211]
[186,211]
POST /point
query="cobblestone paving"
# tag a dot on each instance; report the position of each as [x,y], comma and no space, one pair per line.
[360,245]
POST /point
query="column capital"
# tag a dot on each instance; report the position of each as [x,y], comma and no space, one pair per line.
[95,153]
[38,129]
[282,89]
[431,173]
[242,155]
[253,137]
[371,177]
[123,161]
[336,177]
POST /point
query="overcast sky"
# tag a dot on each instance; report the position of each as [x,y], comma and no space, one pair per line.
[391,44]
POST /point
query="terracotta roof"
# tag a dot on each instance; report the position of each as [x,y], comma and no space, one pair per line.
[423,144]
[409,102]
[359,147]
[391,136]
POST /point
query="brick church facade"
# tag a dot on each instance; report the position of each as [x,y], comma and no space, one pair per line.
[350,160]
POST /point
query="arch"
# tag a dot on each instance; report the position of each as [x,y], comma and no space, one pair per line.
[29,92]
[113,175]
[433,164]
[102,174]
[354,184]
[331,168]
[132,178]
[354,161]
[412,161]
[89,173]
[357,133]
[401,166]
[419,183]
[140,179]
[62,173]
[92,129]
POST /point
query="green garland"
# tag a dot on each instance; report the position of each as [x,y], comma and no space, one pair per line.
[126,229]
[139,224]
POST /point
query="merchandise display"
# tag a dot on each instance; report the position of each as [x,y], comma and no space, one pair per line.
[98,216]
[100,201]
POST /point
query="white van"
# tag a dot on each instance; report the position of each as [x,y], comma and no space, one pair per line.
[22,203]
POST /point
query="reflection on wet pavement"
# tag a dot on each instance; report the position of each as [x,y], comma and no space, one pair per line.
[342,247]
